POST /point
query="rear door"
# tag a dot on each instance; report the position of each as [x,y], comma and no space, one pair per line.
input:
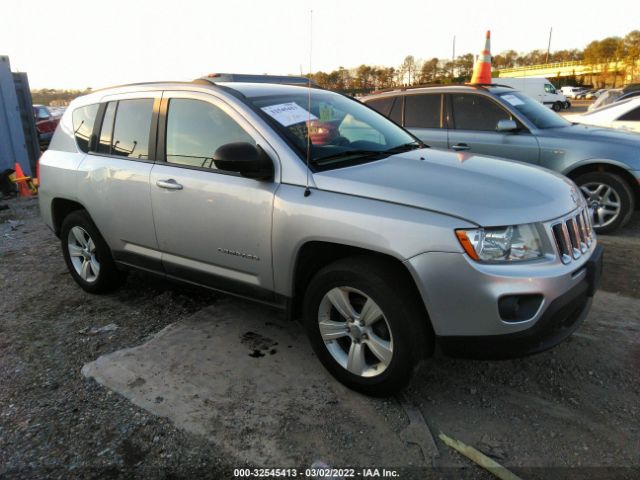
[472,119]
[213,226]
[423,118]
[115,183]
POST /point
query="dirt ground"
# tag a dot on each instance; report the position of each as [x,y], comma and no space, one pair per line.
[572,412]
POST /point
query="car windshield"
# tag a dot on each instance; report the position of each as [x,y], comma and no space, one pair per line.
[534,111]
[339,130]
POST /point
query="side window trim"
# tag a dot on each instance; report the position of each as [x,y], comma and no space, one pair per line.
[97,125]
[451,115]
[153,131]
[447,112]
[161,152]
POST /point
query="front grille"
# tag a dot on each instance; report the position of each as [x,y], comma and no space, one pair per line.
[573,235]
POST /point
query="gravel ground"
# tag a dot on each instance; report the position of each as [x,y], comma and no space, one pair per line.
[51,419]
[576,405]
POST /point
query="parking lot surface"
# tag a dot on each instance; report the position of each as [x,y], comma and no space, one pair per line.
[190,382]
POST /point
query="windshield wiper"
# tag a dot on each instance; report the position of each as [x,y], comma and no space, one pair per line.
[405,147]
[349,154]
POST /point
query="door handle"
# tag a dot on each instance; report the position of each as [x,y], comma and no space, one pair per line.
[461,146]
[169,184]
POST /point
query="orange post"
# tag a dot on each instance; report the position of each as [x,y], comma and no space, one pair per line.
[482,68]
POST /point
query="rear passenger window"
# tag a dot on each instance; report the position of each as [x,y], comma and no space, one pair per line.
[632,116]
[83,120]
[422,111]
[195,130]
[476,112]
[396,111]
[131,129]
[107,128]
[382,105]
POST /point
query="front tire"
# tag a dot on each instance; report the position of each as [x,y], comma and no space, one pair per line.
[366,324]
[87,255]
[557,106]
[610,200]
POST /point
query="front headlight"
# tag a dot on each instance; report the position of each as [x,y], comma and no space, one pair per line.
[502,244]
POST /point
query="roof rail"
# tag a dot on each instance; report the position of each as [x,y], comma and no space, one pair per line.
[250,78]
[138,84]
[440,85]
[490,85]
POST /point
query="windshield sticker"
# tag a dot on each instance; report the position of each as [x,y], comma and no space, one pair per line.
[513,100]
[288,113]
[327,114]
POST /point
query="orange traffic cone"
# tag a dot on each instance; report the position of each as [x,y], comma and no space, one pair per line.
[482,68]
[22,181]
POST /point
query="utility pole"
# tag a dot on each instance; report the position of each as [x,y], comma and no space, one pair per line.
[549,45]
[453,58]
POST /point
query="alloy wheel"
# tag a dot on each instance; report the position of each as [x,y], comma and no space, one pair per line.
[82,251]
[603,201]
[355,331]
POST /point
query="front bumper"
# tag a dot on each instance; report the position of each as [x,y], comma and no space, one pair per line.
[462,299]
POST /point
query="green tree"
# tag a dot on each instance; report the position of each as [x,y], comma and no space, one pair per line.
[632,49]
[464,66]
[429,71]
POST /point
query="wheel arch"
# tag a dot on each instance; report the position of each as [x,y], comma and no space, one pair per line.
[60,209]
[609,166]
[314,255]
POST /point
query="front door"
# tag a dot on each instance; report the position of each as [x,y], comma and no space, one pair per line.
[472,120]
[213,227]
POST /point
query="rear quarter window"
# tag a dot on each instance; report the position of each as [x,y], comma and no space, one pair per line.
[382,105]
[83,121]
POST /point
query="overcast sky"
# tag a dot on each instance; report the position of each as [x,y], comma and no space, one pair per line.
[78,44]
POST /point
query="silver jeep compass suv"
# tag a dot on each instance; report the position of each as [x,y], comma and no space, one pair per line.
[312,202]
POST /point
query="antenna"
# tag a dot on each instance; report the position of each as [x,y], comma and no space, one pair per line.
[307,192]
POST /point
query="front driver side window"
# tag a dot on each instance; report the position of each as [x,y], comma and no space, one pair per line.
[196,129]
[476,112]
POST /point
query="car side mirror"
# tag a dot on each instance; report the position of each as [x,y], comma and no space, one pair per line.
[507,126]
[248,160]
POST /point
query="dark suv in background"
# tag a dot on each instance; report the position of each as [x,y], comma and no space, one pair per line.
[500,121]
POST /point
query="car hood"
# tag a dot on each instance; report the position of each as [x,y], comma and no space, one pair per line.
[594,134]
[482,190]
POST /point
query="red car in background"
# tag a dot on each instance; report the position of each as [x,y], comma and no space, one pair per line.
[46,123]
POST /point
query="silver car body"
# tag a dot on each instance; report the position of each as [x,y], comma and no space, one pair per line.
[250,232]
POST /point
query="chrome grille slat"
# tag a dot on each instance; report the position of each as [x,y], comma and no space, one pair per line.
[573,236]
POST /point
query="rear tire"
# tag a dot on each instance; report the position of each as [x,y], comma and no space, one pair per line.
[610,200]
[383,326]
[87,255]
[557,106]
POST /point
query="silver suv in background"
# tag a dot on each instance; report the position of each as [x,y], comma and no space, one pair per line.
[503,122]
[311,202]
